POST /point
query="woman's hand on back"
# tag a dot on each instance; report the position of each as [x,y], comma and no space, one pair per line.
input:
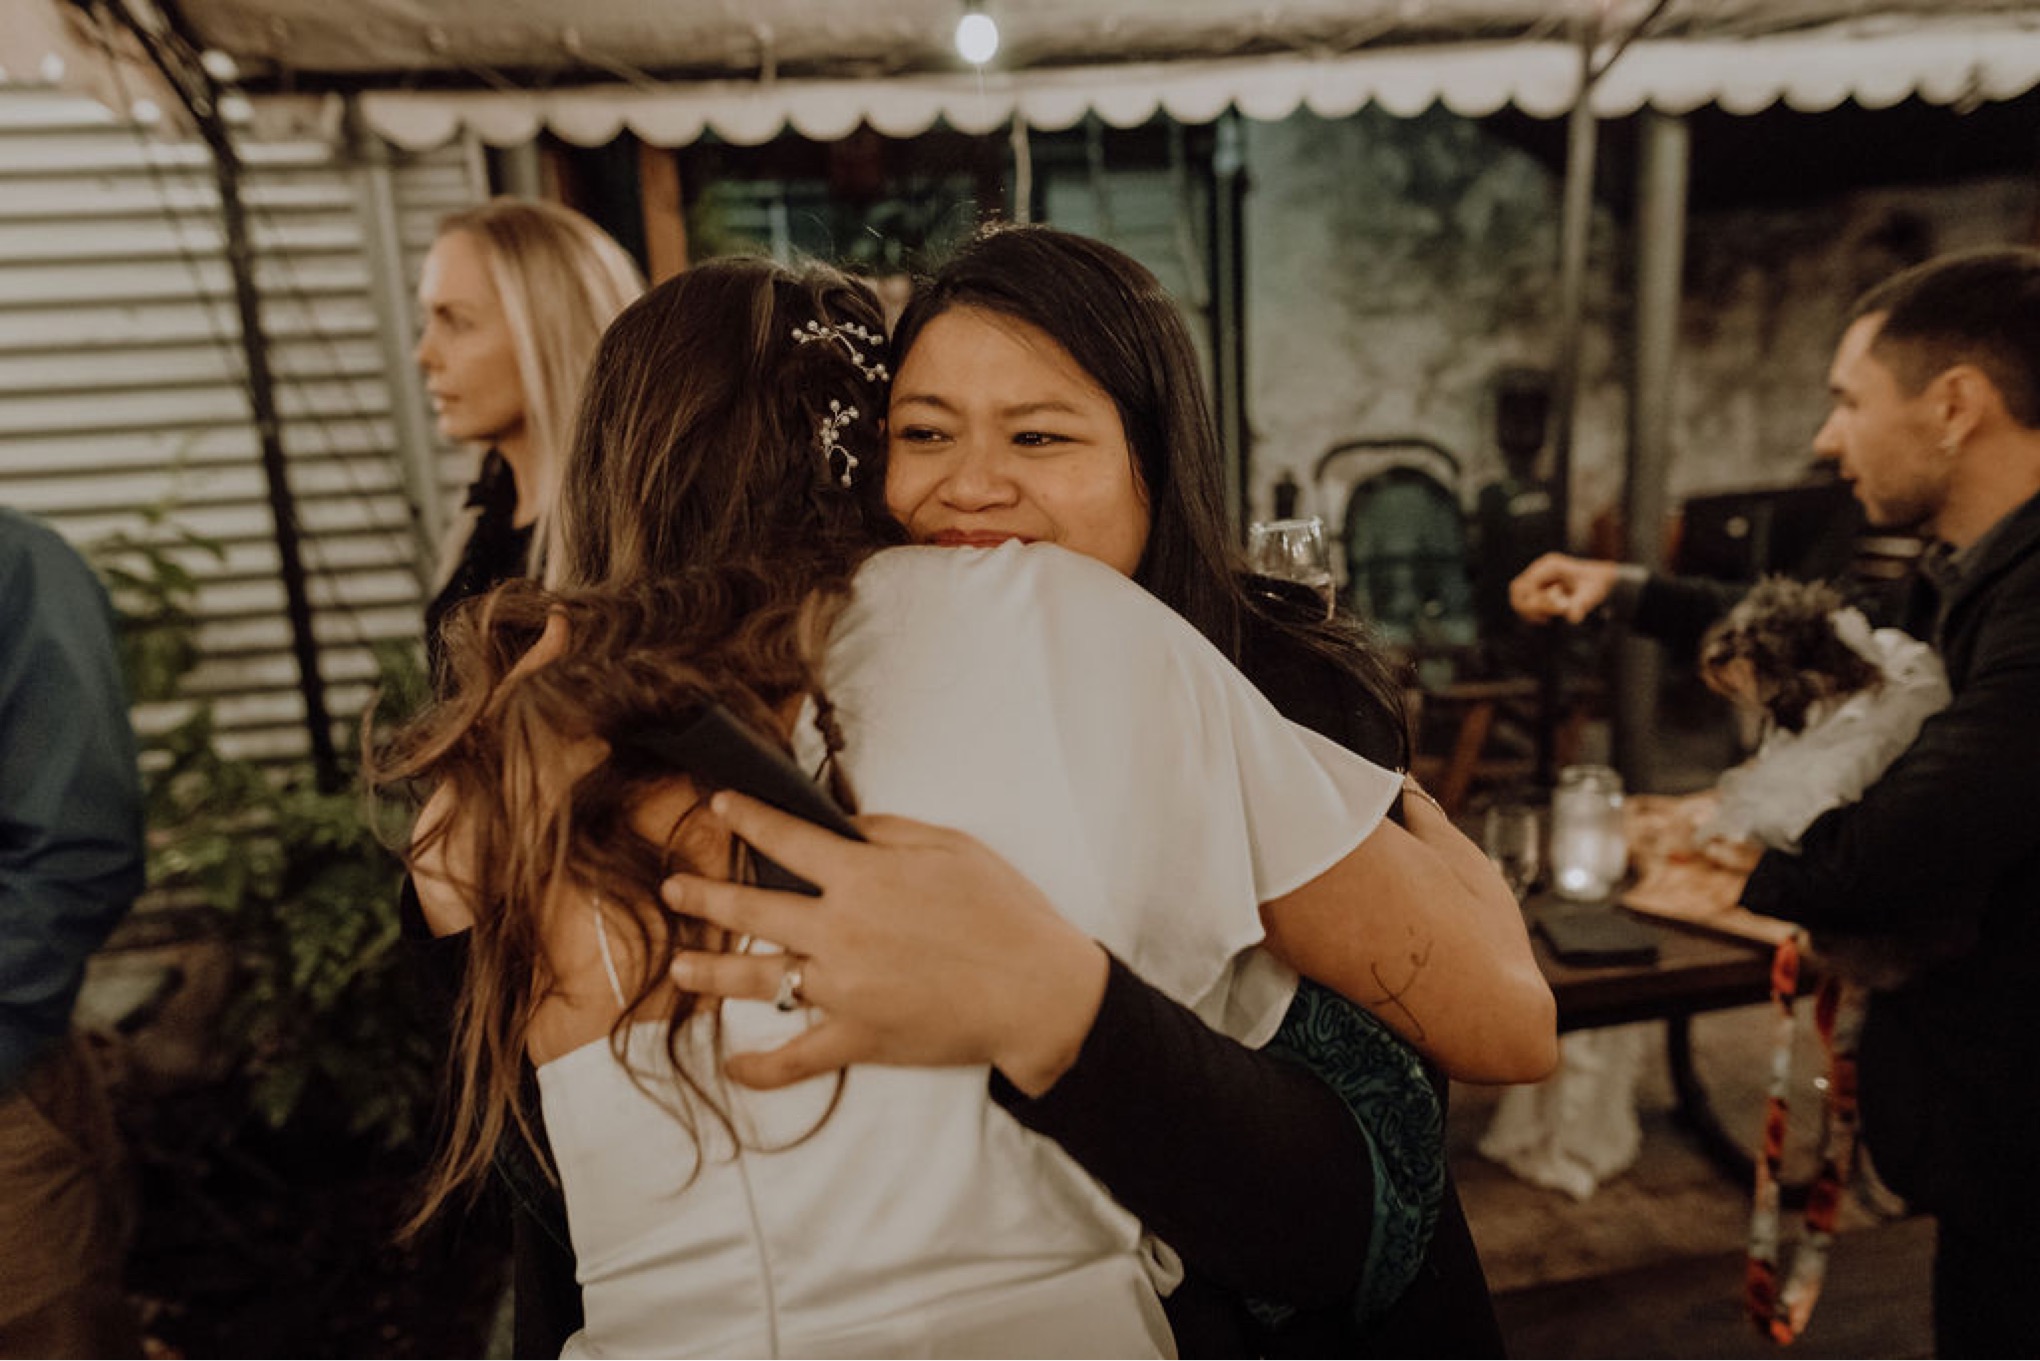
[924,949]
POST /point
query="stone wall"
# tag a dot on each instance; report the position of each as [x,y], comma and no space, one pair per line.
[1397,264]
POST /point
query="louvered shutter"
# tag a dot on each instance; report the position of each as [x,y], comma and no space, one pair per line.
[121,383]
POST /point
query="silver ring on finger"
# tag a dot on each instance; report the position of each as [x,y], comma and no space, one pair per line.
[789,995]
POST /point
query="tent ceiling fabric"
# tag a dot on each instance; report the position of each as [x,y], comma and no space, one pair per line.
[1810,72]
[670,70]
[383,39]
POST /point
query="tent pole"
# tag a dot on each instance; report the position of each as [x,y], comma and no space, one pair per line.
[1664,155]
[1576,222]
[1229,313]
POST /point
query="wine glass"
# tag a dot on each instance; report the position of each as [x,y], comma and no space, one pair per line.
[1513,838]
[1293,550]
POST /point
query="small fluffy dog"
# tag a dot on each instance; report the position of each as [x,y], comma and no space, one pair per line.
[1838,701]
[1782,650]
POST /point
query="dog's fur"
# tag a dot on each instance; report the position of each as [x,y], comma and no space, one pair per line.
[1785,630]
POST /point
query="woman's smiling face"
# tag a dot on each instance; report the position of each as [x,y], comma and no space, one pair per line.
[995,433]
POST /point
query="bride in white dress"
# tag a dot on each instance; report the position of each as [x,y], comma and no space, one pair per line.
[723,550]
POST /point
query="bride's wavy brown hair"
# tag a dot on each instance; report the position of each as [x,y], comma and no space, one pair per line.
[710,544]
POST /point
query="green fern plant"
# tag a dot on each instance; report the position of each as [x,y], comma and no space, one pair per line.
[326,1022]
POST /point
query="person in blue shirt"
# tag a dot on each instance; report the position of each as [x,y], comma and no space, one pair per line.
[71,864]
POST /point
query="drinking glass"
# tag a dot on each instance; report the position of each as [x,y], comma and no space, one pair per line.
[1513,838]
[1293,550]
[1589,852]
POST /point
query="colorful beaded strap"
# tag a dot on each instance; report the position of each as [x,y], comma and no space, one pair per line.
[1781,1314]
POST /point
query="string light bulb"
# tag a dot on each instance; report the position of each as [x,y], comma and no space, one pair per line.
[977,37]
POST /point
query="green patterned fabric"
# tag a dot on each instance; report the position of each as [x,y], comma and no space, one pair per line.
[1381,1080]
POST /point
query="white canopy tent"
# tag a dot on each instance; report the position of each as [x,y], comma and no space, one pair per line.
[747,70]
[823,62]
[422,73]
[1953,59]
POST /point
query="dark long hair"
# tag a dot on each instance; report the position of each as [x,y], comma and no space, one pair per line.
[1115,320]
[710,543]
[697,443]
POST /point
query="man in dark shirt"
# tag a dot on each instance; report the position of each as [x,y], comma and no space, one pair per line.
[1936,425]
[70,867]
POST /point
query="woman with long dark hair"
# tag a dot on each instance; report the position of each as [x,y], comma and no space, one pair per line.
[722,547]
[1048,391]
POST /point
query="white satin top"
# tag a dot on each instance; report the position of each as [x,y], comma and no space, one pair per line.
[1053,709]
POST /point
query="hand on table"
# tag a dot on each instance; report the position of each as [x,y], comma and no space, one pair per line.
[925,948]
[1666,827]
[1558,586]
[1680,871]
[1738,857]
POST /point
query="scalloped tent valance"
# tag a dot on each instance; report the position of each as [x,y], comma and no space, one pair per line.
[1960,60]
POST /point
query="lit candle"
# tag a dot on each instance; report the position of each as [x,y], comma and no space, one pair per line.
[1588,851]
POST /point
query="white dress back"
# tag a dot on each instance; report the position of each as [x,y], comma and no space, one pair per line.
[1050,707]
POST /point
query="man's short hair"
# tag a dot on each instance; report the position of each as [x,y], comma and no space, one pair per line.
[1975,307]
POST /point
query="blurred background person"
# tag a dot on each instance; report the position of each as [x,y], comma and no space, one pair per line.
[513,298]
[1935,425]
[71,865]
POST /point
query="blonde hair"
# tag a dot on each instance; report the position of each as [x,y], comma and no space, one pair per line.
[561,280]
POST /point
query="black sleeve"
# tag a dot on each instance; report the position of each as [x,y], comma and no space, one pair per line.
[1676,611]
[436,964]
[1244,1163]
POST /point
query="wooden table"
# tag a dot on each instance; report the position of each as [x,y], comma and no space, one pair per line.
[1696,971]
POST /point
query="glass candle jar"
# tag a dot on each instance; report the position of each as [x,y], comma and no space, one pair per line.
[1589,853]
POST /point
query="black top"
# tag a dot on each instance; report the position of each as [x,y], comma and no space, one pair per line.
[1448,1310]
[548,1301]
[496,551]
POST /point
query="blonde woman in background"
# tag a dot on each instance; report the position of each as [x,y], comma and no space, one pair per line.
[512,300]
